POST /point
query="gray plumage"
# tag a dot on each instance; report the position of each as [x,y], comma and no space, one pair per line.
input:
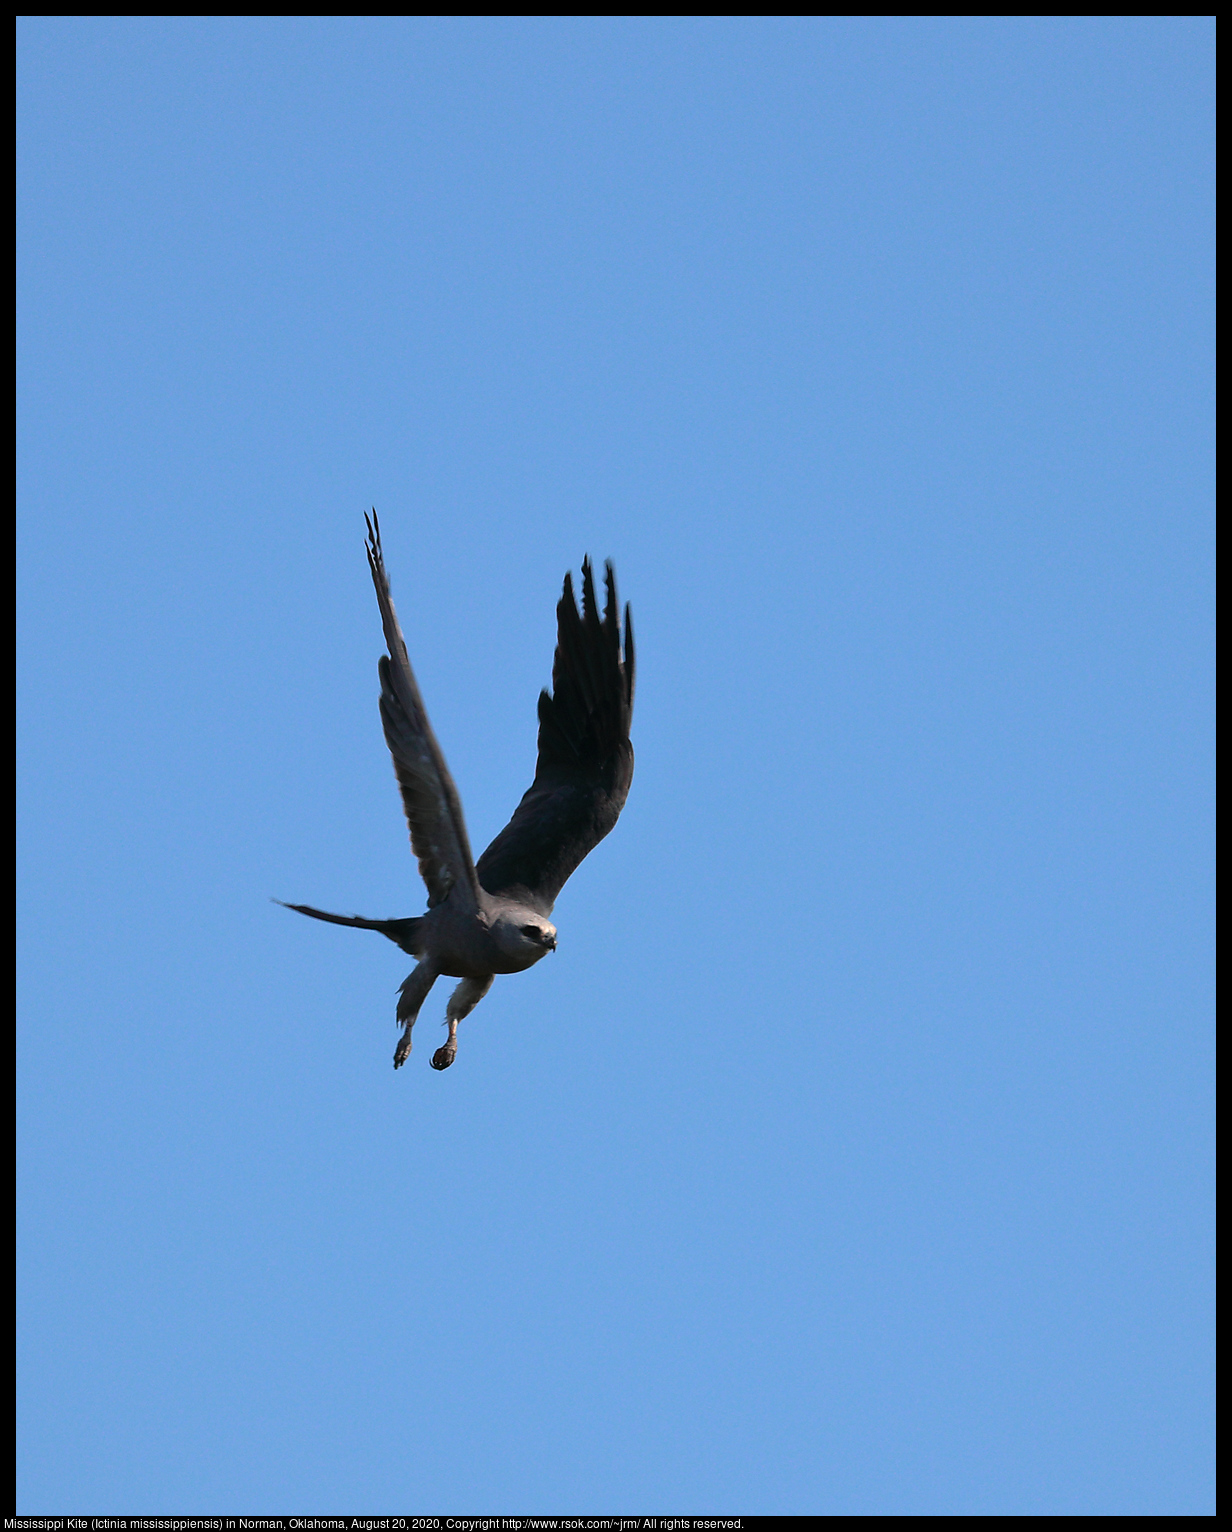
[492,916]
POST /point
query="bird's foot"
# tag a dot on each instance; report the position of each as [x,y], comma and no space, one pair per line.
[402,1051]
[445,1055]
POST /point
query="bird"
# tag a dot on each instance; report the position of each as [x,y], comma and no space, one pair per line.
[493,916]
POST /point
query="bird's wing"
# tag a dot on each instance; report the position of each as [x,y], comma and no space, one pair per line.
[429,797]
[585,761]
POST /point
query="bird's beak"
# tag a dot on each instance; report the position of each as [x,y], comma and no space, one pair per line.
[551,944]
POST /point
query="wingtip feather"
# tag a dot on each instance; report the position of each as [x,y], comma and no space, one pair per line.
[630,662]
[590,606]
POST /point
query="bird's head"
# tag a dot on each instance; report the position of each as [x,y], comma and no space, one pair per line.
[524,936]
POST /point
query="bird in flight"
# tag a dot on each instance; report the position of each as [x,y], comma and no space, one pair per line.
[492,916]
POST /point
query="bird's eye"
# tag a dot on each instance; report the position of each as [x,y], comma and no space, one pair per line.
[535,934]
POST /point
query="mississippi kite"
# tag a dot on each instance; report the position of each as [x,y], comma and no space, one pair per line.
[492,916]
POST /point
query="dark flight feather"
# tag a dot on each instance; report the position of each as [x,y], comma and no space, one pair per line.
[585,762]
[429,797]
[405,933]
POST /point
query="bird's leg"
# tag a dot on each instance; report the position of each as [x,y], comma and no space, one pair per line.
[461,1003]
[414,992]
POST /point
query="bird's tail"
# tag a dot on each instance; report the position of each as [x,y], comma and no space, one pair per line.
[404,933]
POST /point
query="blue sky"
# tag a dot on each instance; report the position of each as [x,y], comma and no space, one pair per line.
[854,1152]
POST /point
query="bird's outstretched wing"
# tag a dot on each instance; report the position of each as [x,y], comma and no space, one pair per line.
[429,797]
[585,761]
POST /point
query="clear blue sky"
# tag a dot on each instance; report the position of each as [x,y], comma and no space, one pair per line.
[854,1152]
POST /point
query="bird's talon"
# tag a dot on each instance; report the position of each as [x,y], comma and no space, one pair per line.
[444,1057]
